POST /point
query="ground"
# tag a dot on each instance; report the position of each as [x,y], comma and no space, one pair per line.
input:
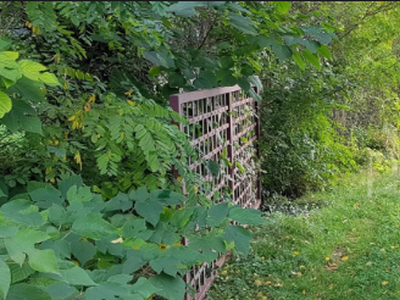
[348,248]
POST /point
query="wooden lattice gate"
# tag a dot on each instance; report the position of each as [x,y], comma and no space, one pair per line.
[223,122]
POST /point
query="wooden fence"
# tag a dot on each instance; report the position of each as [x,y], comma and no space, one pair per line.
[223,125]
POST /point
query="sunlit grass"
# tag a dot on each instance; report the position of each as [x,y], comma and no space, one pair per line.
[349,249]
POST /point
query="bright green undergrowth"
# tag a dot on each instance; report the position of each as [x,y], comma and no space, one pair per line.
[349,249]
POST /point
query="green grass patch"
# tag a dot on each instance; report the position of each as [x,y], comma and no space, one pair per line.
[349,249]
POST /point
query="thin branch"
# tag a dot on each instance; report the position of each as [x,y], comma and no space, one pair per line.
[369,13]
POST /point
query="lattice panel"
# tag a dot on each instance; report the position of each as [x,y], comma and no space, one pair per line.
[221,120]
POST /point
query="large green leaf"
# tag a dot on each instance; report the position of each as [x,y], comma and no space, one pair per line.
[282,52]
[243,24]
[5,104]
[24,291]
[31,69]
[240,236]
[19,273]
[216,214]
[28,89]
[23,211]
[282,6]
[67,183]
[248,216]
[81,194]
[149,210]
[23,242]
[213,166]
[324,51]
[186,8]
[43,260]
[167,197]
[5,278]
[312,58]
[144,288]
[83,250]
[171,288]
[46,197]
[77,276]
[119,202]
[168,264]
[61,290]
[22,116]
[298,59]
[92,226]
[110,291]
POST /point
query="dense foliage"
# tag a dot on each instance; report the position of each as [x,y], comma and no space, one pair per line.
[319,123]
[92,165]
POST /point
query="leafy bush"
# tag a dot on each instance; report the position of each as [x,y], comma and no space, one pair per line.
[68,243]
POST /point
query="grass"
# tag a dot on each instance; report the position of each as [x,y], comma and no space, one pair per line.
[349,249]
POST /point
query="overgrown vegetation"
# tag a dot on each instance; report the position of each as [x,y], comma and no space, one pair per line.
[346,250]
[92,167]
[90,205]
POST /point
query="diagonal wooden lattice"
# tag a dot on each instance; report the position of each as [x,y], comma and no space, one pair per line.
[223,123]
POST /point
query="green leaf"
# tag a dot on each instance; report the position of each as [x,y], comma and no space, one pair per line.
[313,46]
[46,197]
[243,24]
[139,195]
[24,291]
[240,236]
[228,79]
[244,84]
[167,197]
[227,62]
[5,104]
[110,291]
[282,7]
[67,183]
[216,214]
[43,260]
[248,216]
[83,250]
[282,52]
[4,44]
[299,60]
[324,51]
[31,69]
[22,211]
[152,56]
[5,278]
[50,79]
[150,211]
[145,288]
[119,202]
[169,287]
[312,58]
[264,41]
[214,168]
[132,263]
[23,242]
[186,8]
[19,273]
[168,264]
[61,290]
[92,226]
[22,116]
[82,194]
[154,71]
[77,276]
